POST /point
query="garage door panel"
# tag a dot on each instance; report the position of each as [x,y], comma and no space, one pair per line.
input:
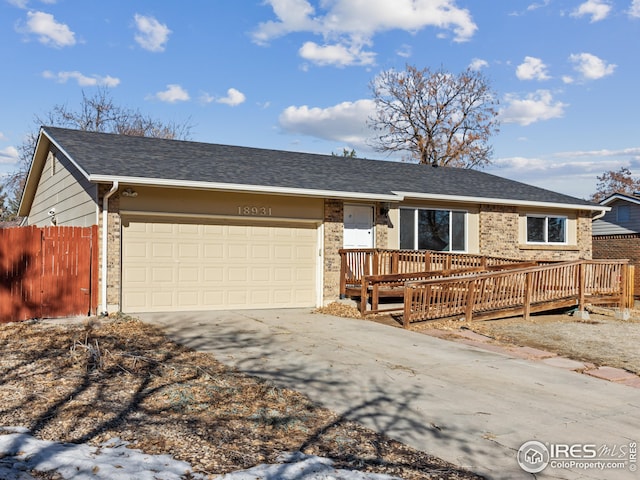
[162,228]
[188,274]
[206,266]
[164,250]
[213,250]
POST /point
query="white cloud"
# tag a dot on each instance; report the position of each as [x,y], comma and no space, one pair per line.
[533,108]
[596,9]
[152,35]
[591,67]
[345,122]
[571,172]
[634,9]
[206,98]
[234,97]
[49,31]
[81,79]
[478,64]
[405,51]
[174,93]
[18,3]
[9,155]
[347,26]
[532,69]
[338,55]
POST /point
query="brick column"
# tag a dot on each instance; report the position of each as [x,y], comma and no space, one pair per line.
[113,249]
[333,241]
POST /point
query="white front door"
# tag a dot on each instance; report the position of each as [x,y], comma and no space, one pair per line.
[358,226]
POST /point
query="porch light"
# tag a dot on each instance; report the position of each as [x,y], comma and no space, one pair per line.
[129,192]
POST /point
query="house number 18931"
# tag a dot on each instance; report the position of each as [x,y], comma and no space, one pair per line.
[254,210]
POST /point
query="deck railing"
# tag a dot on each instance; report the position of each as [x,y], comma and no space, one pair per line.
[520,291]
[357,263]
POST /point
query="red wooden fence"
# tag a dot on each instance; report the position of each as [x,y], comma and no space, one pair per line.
[48,272]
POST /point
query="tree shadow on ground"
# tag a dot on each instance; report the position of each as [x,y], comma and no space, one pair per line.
[90,382]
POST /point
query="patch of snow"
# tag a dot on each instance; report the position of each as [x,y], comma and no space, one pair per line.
[20,452]
[298,466]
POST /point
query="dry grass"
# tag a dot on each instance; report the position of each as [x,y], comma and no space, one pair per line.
[92,381]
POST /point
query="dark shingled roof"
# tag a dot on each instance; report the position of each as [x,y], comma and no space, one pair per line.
[110,155]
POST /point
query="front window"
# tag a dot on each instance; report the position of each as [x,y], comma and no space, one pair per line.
[441,230]
[546,229]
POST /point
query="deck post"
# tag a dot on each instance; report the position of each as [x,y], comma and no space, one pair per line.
[471,300]
[343,273]
[364,294]
[528,293]
[582,276]
[406,315]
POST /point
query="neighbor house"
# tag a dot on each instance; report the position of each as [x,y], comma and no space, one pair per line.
[192,226]
[616,234]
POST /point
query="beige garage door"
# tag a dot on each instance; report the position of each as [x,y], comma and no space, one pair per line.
[185,266]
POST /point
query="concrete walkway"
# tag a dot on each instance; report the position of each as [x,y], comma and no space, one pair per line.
[464,404]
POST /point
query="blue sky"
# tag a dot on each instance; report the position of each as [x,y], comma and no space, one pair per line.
[295,74]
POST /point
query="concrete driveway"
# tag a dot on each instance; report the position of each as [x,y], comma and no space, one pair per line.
[469,406]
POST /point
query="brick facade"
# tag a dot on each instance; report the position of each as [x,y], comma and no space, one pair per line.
[620,247]
[499,231]
[499,237]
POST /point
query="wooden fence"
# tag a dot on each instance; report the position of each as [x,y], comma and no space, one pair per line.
[48,272]
[523,291]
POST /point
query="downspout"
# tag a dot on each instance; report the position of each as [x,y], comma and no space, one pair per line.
[599,215]
[105,236]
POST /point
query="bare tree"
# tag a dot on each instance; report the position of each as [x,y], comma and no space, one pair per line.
[346,153]
[438,117]
[611,182]
[96,113]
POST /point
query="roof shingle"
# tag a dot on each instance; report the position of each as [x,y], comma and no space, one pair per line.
[117,156]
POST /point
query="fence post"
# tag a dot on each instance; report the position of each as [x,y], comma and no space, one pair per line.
[630,285]
[624,284]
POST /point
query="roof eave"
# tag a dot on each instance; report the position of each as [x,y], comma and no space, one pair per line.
[244,188]
[37,161]
[620,196]
[501,201]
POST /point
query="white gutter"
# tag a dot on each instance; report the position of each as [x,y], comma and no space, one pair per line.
[235,187]
[105,236]
[499,201]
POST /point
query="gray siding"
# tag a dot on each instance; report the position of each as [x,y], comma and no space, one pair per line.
[62,187]
[610,223]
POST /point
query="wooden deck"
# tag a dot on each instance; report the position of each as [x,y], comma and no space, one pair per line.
[479,288]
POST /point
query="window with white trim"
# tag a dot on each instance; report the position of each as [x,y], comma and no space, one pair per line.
[546,229]
[426,229]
